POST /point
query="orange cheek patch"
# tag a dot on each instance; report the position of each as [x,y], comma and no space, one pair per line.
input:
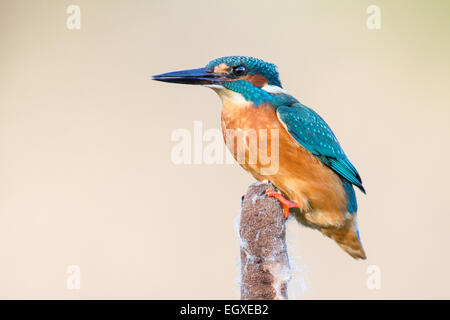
[256,79]
[221,68]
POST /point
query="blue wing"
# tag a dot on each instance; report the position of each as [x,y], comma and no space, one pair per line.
[313,133]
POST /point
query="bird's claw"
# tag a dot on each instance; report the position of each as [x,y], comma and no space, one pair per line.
[287,204]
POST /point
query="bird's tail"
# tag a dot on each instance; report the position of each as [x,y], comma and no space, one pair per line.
[347,237]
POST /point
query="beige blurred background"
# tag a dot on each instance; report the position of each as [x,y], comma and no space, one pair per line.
[86,177]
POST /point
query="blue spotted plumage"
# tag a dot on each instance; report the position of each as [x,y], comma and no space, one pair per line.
[313,133]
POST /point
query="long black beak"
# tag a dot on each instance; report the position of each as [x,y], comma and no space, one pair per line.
[193,76]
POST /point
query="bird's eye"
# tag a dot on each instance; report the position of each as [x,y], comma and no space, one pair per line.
[239,71]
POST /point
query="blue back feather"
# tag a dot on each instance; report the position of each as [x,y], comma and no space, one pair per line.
[313,133]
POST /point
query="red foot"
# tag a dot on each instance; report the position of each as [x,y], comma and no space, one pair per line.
[284,202]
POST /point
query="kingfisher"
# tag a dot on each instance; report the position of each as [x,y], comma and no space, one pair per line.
[313,174]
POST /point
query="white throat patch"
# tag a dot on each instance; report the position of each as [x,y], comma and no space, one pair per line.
[227,95]
[273,89]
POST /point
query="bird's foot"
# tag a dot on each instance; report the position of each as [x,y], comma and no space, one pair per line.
[284,202]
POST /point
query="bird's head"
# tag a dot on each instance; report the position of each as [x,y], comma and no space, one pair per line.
[236,73]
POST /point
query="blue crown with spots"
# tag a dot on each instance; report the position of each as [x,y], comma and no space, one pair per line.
[253,65]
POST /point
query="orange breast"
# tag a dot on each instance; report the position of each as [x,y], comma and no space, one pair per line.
[283,161]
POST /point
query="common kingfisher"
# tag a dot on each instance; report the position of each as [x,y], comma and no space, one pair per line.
[314,174]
